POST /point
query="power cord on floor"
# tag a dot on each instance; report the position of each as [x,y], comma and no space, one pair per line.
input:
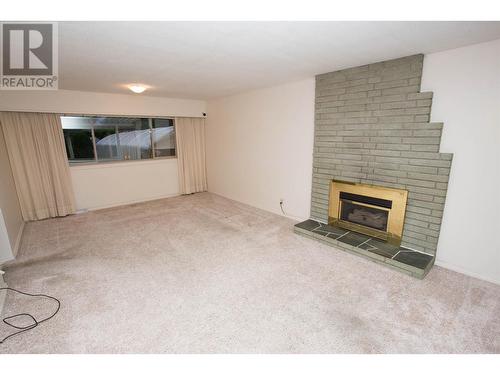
[35,322]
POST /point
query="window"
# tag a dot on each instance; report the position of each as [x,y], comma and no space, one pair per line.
[107,139]
[164,137]
[79,144]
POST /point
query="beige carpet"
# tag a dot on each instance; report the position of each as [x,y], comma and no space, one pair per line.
[203,274]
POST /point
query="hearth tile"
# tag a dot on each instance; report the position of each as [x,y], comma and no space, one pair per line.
[383,248]
[413,258]
[353,238]
[331,231]
[308,224]
[384,245]
[384,252]
[366,246]
[363,250]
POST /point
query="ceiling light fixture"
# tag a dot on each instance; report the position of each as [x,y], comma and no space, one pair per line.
[137,88]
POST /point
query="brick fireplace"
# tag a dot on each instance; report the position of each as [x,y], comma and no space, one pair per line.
[372,127]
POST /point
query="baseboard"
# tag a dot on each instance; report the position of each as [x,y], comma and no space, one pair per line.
[296,218]
[18,239]
[127,203]
[277,211]
[458,269]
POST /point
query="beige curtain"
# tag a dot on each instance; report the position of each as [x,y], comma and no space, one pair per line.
[35,145]
[190,136]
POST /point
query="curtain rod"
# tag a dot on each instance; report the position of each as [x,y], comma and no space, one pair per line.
[104,114]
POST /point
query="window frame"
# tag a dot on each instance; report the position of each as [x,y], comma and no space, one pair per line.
[150,123]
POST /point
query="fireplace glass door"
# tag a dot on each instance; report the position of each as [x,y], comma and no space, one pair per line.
[361,214]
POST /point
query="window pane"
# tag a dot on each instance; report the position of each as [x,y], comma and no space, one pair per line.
[122,138]
[78,139]
[164,137]
[117,138]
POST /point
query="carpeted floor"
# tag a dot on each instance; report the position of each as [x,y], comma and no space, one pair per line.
[203,274]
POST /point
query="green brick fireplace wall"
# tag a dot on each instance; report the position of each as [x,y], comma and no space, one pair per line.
[372,126]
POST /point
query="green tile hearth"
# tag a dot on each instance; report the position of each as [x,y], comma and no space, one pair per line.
[413,258]
[402,259]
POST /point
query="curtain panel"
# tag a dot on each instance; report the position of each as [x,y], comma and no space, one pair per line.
[35,145]
[190,137]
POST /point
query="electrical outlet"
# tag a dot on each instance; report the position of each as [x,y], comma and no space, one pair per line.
[281,200]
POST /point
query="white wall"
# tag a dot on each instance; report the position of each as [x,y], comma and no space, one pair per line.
[466,86]
[11,221]
[113,184]
[259,147]
[106,185]
[81,102]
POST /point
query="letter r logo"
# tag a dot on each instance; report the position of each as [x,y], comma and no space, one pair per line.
[27,49]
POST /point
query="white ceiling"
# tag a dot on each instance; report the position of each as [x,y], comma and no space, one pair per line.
[202,60]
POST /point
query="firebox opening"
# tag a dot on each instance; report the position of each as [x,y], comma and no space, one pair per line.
[360,214]
[372,210]
[365,210]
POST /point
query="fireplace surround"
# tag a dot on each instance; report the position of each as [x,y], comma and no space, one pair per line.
[372,127]
[373,210]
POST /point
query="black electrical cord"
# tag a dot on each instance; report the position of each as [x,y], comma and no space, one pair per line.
[35,322]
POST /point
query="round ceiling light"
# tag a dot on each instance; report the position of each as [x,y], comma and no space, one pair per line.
[137,88]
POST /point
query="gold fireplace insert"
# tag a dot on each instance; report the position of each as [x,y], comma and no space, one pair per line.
[369,209]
